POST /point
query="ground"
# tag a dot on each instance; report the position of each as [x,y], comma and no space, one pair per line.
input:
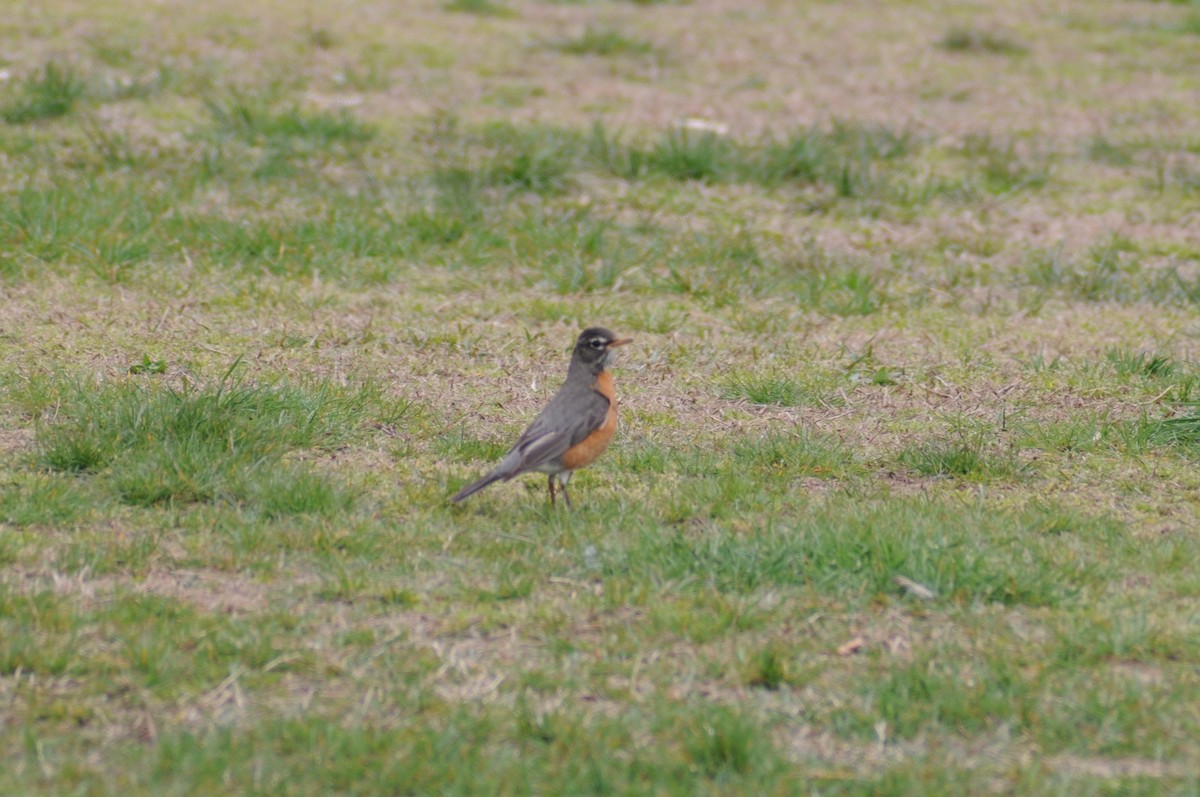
[904,499]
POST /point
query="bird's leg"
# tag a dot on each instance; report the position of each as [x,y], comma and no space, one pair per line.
[562,483]
[550,482]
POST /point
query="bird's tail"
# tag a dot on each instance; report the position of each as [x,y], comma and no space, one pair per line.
[475,487]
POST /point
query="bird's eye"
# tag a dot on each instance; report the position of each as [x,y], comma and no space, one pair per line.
[596,343]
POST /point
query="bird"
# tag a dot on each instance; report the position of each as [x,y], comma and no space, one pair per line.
[573,429]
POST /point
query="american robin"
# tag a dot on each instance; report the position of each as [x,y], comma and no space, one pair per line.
[575,426]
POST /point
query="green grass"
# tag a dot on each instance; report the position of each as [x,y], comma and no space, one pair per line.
[1103,150]
[107,232]
[959,457]
[769,668]
[484,8]
[800,452]
[779,390]
[685,156]
[538,160]
[724,744]
[45,500]
[281,139]
[840,289]
[1083,433]
[975,40]
[48,93]
[837,548]
[1141,364]
[1111,271]
[245,118]
[605,42]
[1002,168]
[903,495]
[1182,431]
[221,441]
[847,158]
[1189,26]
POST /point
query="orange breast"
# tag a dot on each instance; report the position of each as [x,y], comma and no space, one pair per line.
[585,451]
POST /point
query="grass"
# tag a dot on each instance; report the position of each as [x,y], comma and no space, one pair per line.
[903,495]
[845,157]
[837,550]
[959,457]
[1182,431]
[1111,271]
[45,500]
[538,160]
[484,8]
[48,93]
[779,390]
[1002,168]
[246,119]
[1141,364]
[768,668]
[975,40]
[803,451]
[221,441]
[279,138]
[605,42]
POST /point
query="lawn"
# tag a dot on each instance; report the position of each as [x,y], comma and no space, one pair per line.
[905,495]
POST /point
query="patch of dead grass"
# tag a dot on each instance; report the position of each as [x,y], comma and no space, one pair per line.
[210,591]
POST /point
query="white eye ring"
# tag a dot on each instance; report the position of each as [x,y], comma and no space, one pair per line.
[596,343]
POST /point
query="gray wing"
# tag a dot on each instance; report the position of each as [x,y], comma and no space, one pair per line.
[569,417]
